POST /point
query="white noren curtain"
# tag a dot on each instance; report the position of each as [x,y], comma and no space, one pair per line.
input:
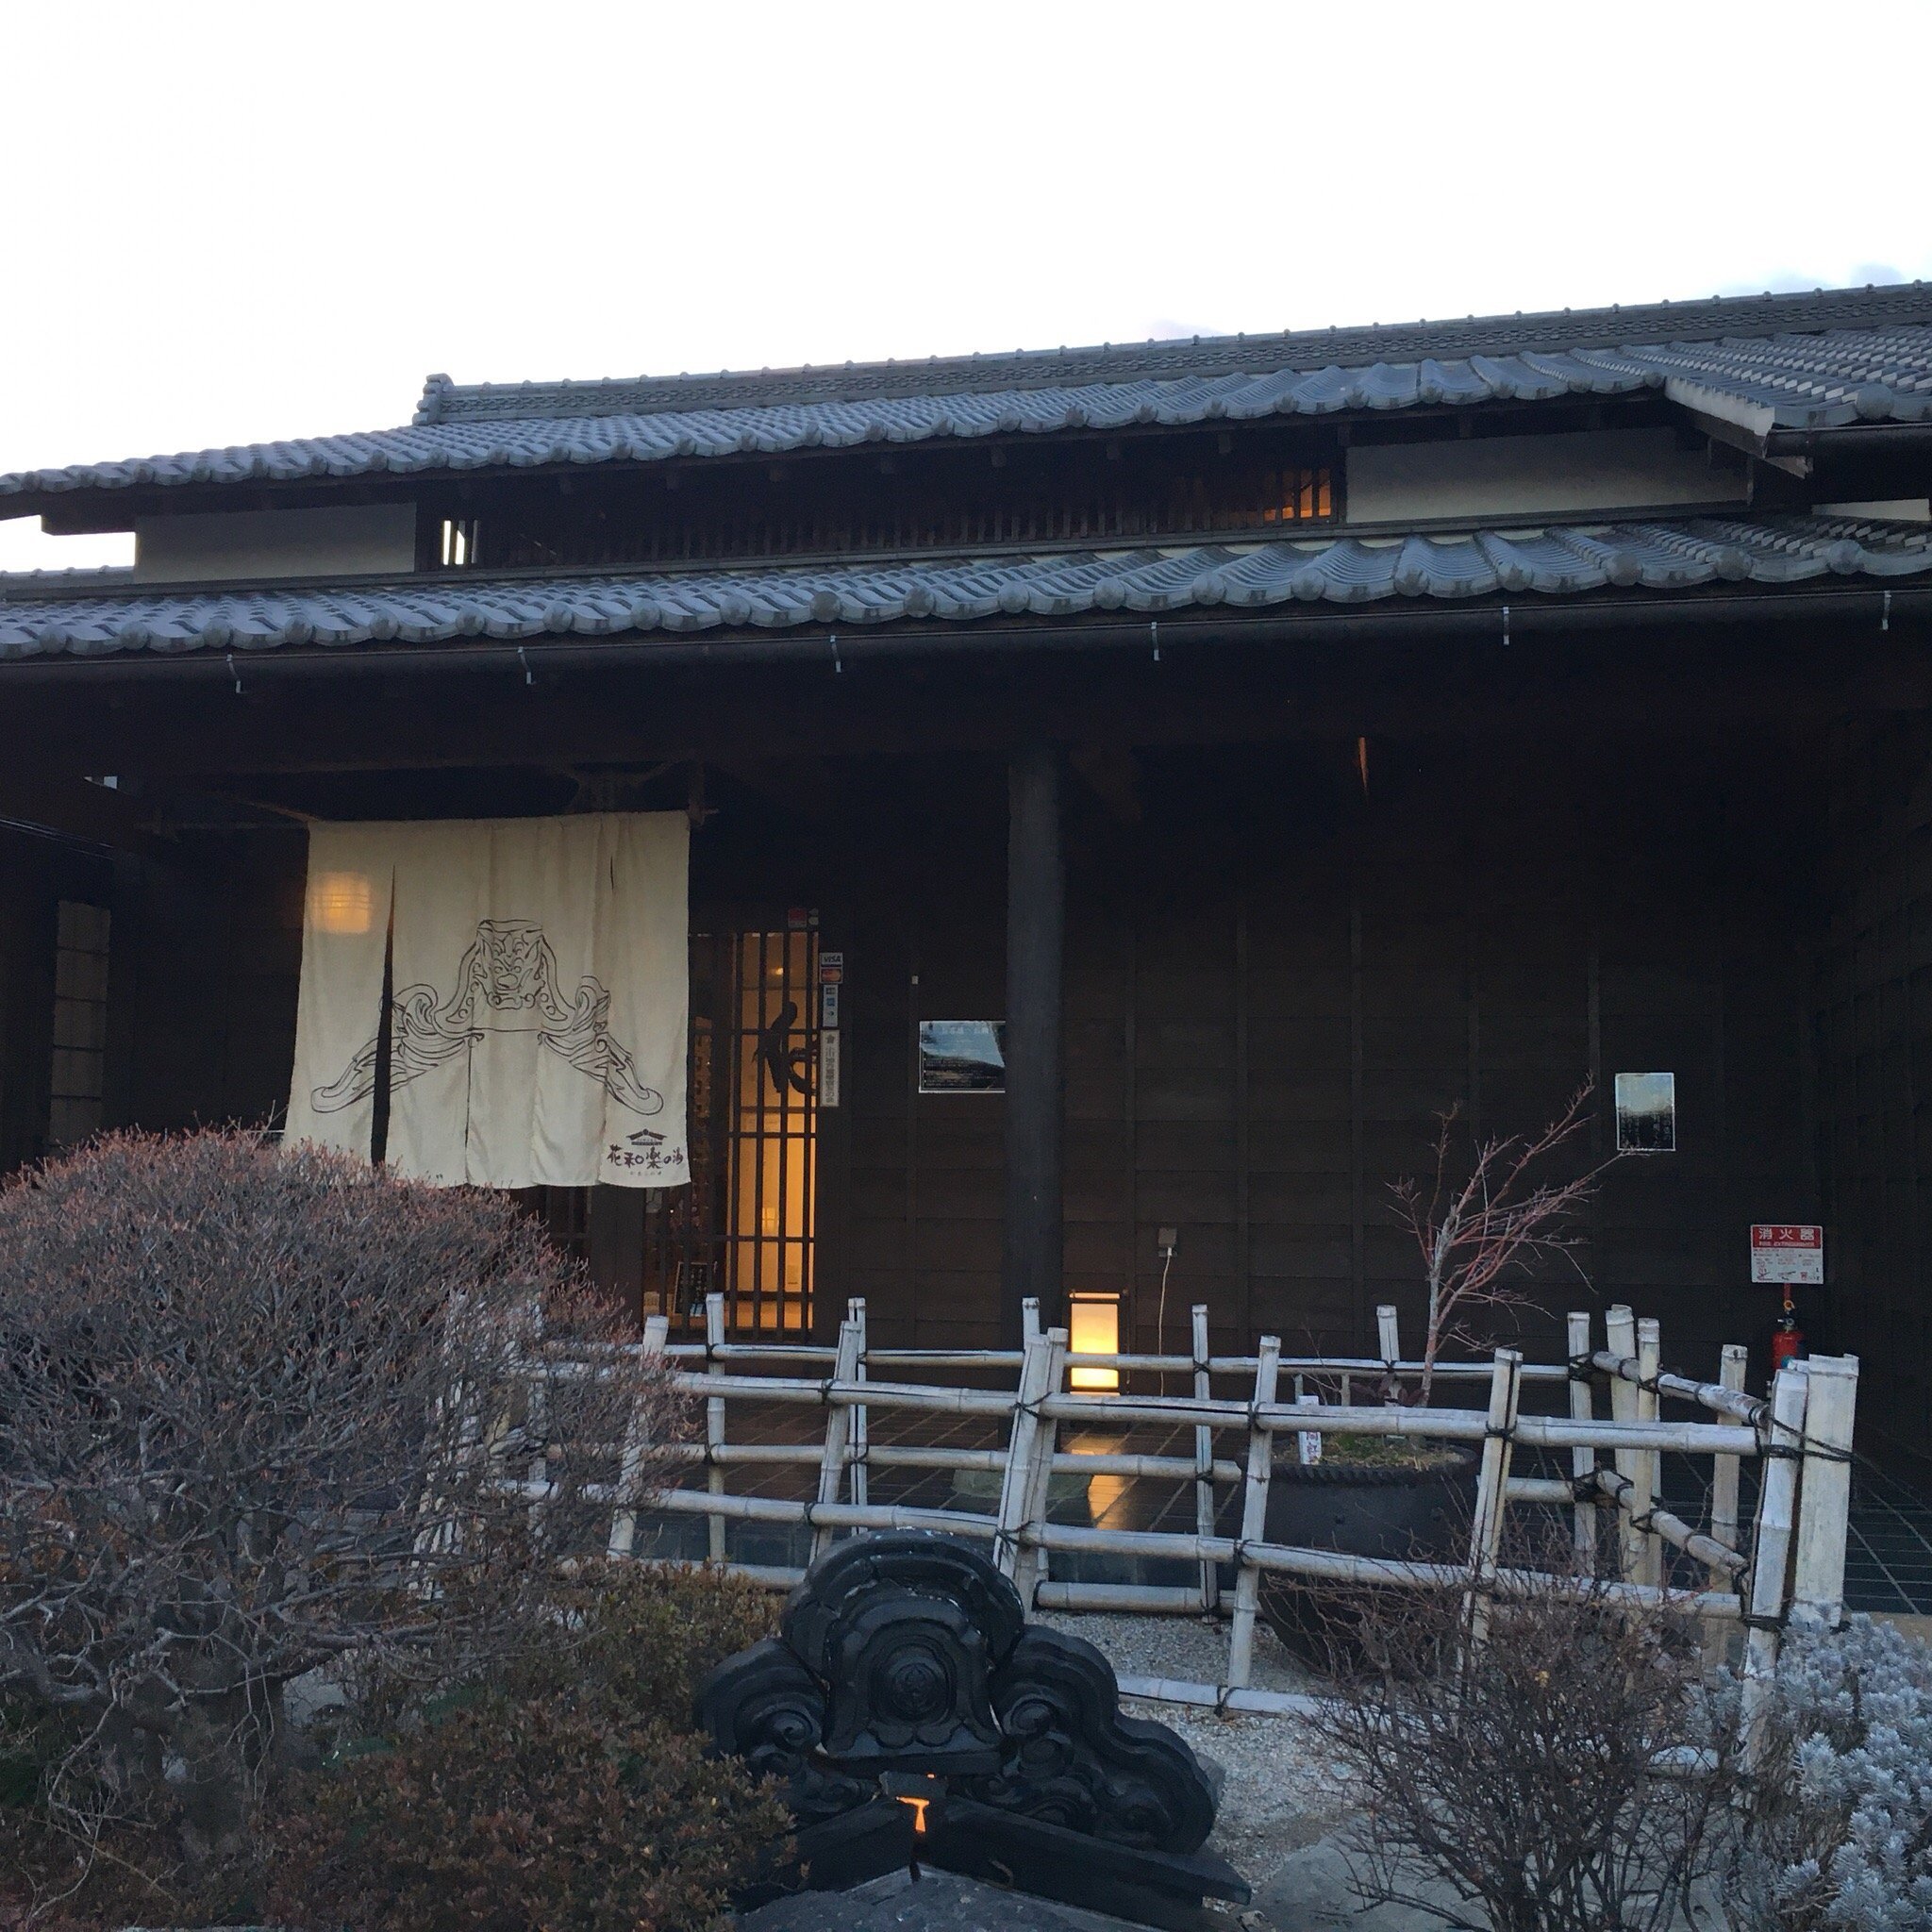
[538,1007]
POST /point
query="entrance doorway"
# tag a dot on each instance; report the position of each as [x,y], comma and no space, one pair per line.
[745,1225]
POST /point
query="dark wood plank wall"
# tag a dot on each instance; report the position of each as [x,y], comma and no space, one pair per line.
[36,874]
[1269,1000]
[924,938]
[1274,980]
[213,981]
[1875,1073]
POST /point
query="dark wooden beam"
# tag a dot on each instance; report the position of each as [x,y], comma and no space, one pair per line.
[1690,682]
[67,807]
[1036,940]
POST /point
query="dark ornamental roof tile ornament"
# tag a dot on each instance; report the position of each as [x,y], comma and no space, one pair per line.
[905,1667]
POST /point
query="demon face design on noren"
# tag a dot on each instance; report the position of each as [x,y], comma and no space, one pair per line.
[507,982]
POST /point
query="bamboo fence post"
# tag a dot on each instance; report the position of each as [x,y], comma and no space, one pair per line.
[1486,1533]
[1204,1464]
[1620,1333]
[1824,1492]
[624,1519]
[1247,1576]
[1030,1563]
[1388,1334]
[1644,1496]
[1036,1365]
[1777,1493]
[838,1431]
[862,1437]
[1030,1321]
[1583,1460]
[1734,1361]
[714,1425]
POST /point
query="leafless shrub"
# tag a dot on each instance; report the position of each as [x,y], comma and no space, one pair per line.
[256,1413]
[1479,1233]
[1569,1775]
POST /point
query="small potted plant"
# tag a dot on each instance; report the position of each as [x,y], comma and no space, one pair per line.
[1484,1218]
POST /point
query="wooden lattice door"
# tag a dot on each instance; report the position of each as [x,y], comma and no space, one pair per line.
[745,1225]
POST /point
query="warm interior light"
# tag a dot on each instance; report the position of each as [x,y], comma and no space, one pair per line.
[1093,1323]
[1103,1491]
[341,901]
[918,1805]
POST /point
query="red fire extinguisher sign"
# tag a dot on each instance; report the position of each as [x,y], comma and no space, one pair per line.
[1788,1255]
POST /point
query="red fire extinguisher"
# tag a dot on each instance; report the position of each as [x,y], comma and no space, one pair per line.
[1787,1338]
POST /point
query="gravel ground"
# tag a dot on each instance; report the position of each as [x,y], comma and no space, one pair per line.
[1282,1792]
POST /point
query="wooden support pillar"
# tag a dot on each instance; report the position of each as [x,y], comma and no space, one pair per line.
[1036,933]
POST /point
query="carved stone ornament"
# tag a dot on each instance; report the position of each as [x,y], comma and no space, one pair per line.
[911,1654]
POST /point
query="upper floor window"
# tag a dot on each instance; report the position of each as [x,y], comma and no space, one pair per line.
[854,503]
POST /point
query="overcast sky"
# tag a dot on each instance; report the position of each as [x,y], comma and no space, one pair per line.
[230,223]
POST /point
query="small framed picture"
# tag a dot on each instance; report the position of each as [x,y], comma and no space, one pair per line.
[1646,1113]
[963,1057]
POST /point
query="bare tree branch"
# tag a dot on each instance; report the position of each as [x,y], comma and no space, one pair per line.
[1478,1235]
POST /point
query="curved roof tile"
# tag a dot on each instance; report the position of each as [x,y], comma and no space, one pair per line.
[40,618]
[1821,378]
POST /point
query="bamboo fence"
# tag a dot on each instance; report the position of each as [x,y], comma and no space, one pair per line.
[1789,1570]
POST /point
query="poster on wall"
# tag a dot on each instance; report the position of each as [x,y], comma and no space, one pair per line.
[1646,1113]
[963,1057]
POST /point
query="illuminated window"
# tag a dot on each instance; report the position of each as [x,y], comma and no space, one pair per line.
[1093,1323]
[744,1226]
[1296,497]
[773,1132]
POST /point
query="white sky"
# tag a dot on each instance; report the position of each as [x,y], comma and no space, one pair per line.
[231,222]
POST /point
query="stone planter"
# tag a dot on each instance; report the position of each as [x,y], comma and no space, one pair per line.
[1361,1510]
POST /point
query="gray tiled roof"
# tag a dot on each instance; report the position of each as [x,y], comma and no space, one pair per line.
[1202,359]
[1878,371]
[36,619]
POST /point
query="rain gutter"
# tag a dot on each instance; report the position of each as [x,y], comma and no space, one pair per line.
[1493,620]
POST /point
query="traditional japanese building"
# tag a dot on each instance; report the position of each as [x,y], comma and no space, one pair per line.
[1132,791]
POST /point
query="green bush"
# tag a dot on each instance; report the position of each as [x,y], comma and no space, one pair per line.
[503,1815]
[570,1791]
[636,1642]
